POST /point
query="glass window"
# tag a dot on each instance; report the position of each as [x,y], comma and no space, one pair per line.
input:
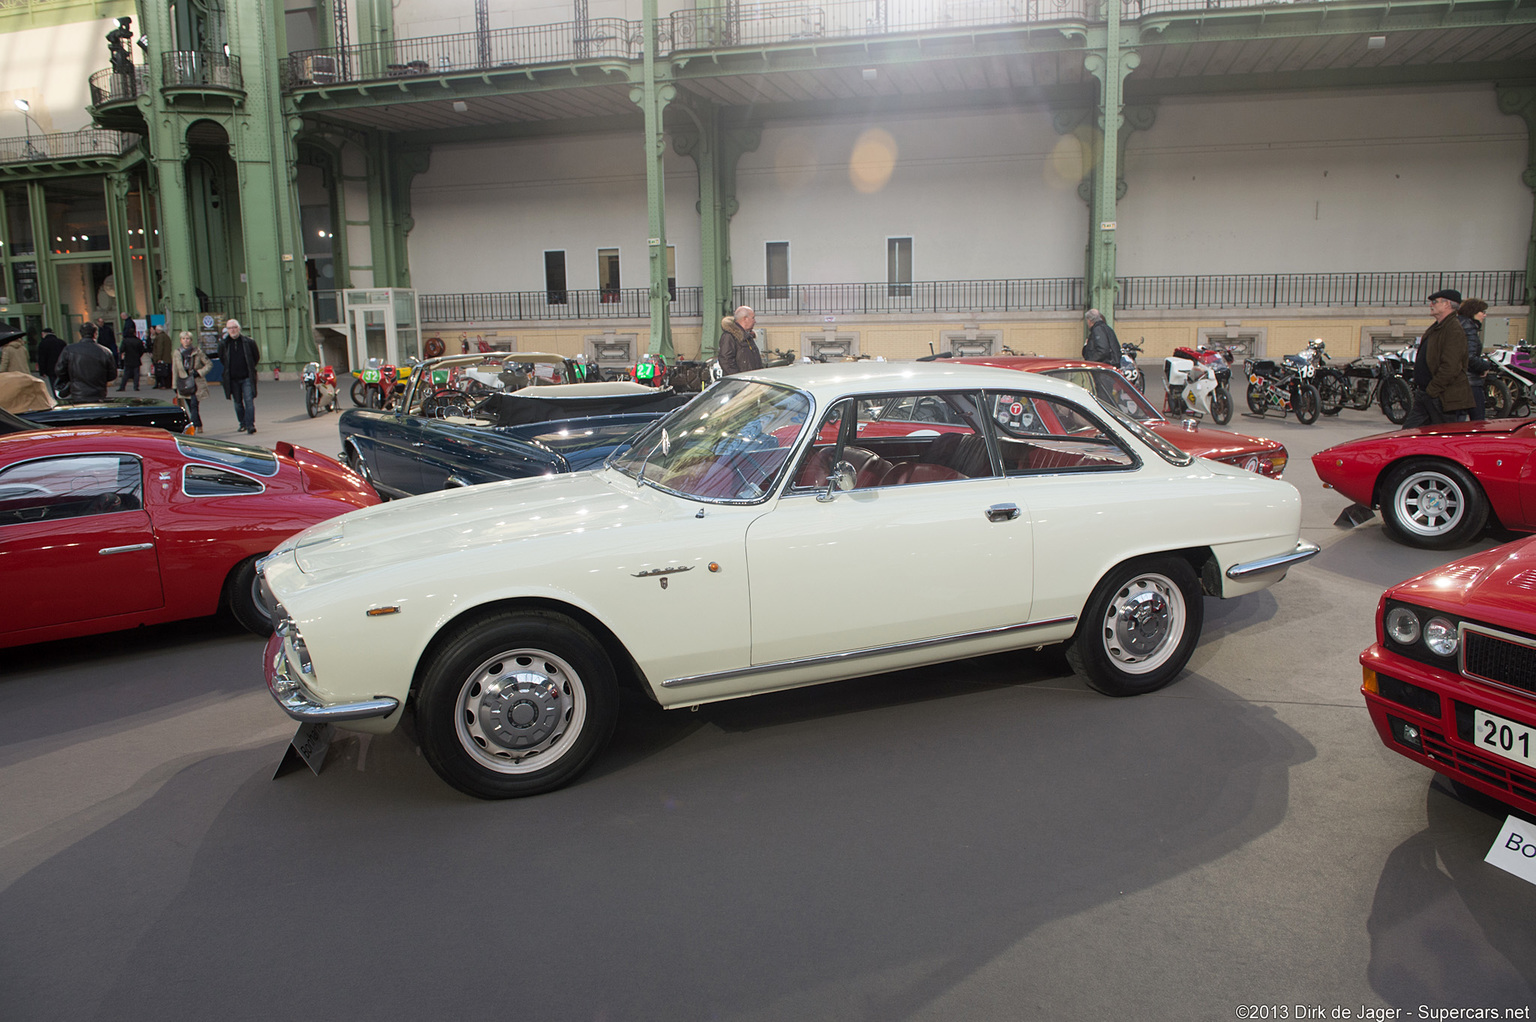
[77,215]
[1044,434]
[18,222]
[53,488]
[26,282]
[554,278]
[778,269]
[898,267]
[899,440]
[671,273]
[221,452]
[608,274]
[207,481]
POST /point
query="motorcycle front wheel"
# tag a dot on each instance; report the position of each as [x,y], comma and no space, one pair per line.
[375,398]
[1221,406]
[1306,403]
[1396,399]
[312,400]
[1256,400]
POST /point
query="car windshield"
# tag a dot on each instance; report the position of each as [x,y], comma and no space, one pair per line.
[456,384]
[1113,391]
[729,444]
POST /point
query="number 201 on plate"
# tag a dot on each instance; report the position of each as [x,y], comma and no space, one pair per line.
[1505,737]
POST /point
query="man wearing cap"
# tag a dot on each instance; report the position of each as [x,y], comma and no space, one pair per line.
[1440,368]
[240,357]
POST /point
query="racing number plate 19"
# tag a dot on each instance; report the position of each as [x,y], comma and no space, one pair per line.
[1504,738]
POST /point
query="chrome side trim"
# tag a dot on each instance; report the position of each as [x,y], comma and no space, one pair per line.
[858,654]
[126,549]
[299,708]
[1304,551]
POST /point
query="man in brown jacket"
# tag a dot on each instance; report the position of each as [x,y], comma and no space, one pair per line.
[736,352]
[1440,369]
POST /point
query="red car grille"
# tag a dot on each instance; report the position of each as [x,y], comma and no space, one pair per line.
[1503,660]
[1511,779]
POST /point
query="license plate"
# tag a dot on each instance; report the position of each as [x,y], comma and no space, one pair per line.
[1504,738]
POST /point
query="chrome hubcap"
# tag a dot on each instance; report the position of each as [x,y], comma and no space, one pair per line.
[1144,623]
[520,710]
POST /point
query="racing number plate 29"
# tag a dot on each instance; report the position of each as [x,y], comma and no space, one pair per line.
[1504,738]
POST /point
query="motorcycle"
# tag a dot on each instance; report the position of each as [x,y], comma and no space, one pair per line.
[1286,386]
[319,389]
[379,383]
[1516,370]
[1368,380]
[1129,353]
[1332,388]
[650,371]
[1199,388]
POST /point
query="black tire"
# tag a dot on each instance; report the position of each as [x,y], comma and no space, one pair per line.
[312,399]
[515,704]
[1432,504]
[1110,651]
[376,398]
[1332,391]
[1221,406]
[359,394]
[1497,400]
[1519,406]
[1176,404]
[1257,403]
[242,595]
[1396,399]
[1306,403]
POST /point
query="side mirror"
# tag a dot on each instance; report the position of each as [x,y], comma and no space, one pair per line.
[842,477]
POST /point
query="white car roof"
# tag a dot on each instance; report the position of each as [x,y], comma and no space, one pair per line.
[833,380]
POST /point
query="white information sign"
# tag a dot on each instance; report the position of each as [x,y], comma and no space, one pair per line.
[1514,850]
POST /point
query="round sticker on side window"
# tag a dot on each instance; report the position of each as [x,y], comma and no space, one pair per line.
[1015,409]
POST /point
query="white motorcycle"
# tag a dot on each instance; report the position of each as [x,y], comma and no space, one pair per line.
[1199,389]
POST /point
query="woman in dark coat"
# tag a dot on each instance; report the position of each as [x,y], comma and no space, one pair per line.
[1477,366]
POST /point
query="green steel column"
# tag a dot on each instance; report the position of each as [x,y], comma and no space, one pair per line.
[1110,67]
[47,286]
[1521,102]
[652,99]
[392,167]
[117,187]
[168,160]
[716,151]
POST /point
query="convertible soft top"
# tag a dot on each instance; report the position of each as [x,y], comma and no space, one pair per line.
[515,409]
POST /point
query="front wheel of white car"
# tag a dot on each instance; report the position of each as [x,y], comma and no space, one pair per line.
[516,704]
[1140,626]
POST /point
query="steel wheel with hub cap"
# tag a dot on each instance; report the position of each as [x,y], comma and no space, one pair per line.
[516,704]
[1139,627]
[1433,504]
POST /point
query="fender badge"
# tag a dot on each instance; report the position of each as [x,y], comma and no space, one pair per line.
[662,571]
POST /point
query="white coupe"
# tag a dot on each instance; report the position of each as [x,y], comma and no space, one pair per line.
[780,518]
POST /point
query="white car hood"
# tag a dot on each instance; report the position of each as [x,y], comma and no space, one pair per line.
[453,521]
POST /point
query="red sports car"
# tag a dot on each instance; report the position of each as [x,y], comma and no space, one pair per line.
[1451,679]
[102,529]
[1439,486]
[1256,454]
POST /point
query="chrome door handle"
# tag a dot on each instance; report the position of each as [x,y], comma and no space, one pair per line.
[1002,512]
[125,549]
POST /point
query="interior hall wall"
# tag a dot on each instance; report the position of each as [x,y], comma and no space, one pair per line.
[1368,180]
[485,213]
[416,18]
[983,196]
[50,68]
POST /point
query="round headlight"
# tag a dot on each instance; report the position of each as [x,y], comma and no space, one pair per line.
[1440,636]
[1402,626]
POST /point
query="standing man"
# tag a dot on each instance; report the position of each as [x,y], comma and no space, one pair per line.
[737,352]
[1440,368]
[240,357]
[164,352]
[86,369]
[1102,344]
[133,357]
[49,348]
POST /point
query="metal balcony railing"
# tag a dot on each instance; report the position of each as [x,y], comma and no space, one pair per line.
[514,306]
[761,24]
[111,86]
[66,145]
[195,69]
[1052,294]
[599,38]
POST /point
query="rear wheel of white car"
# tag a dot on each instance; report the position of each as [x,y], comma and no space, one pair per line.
[1140,626]
[516,704]
[1433,504]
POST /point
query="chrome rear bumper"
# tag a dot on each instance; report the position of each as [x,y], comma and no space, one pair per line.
[1304,551]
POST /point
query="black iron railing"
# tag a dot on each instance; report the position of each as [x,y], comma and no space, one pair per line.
[598,38]
[1320,290]
[66,145]
[760,24]
[111,86]
[512,306]
[195,69]
[1054,294]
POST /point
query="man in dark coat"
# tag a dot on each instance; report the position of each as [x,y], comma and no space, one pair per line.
[133,357]
[85,368]
[1440,368]
[736,352]
[240,357]
[1102,344]
[49,347]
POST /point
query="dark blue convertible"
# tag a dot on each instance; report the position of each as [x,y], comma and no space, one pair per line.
[452,427]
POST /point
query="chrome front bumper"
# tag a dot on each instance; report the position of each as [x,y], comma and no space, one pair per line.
[1304,551]
[285,667]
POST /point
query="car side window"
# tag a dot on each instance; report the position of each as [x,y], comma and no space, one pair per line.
[50,489]
[901,440]
[208,481]
[1038,434]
